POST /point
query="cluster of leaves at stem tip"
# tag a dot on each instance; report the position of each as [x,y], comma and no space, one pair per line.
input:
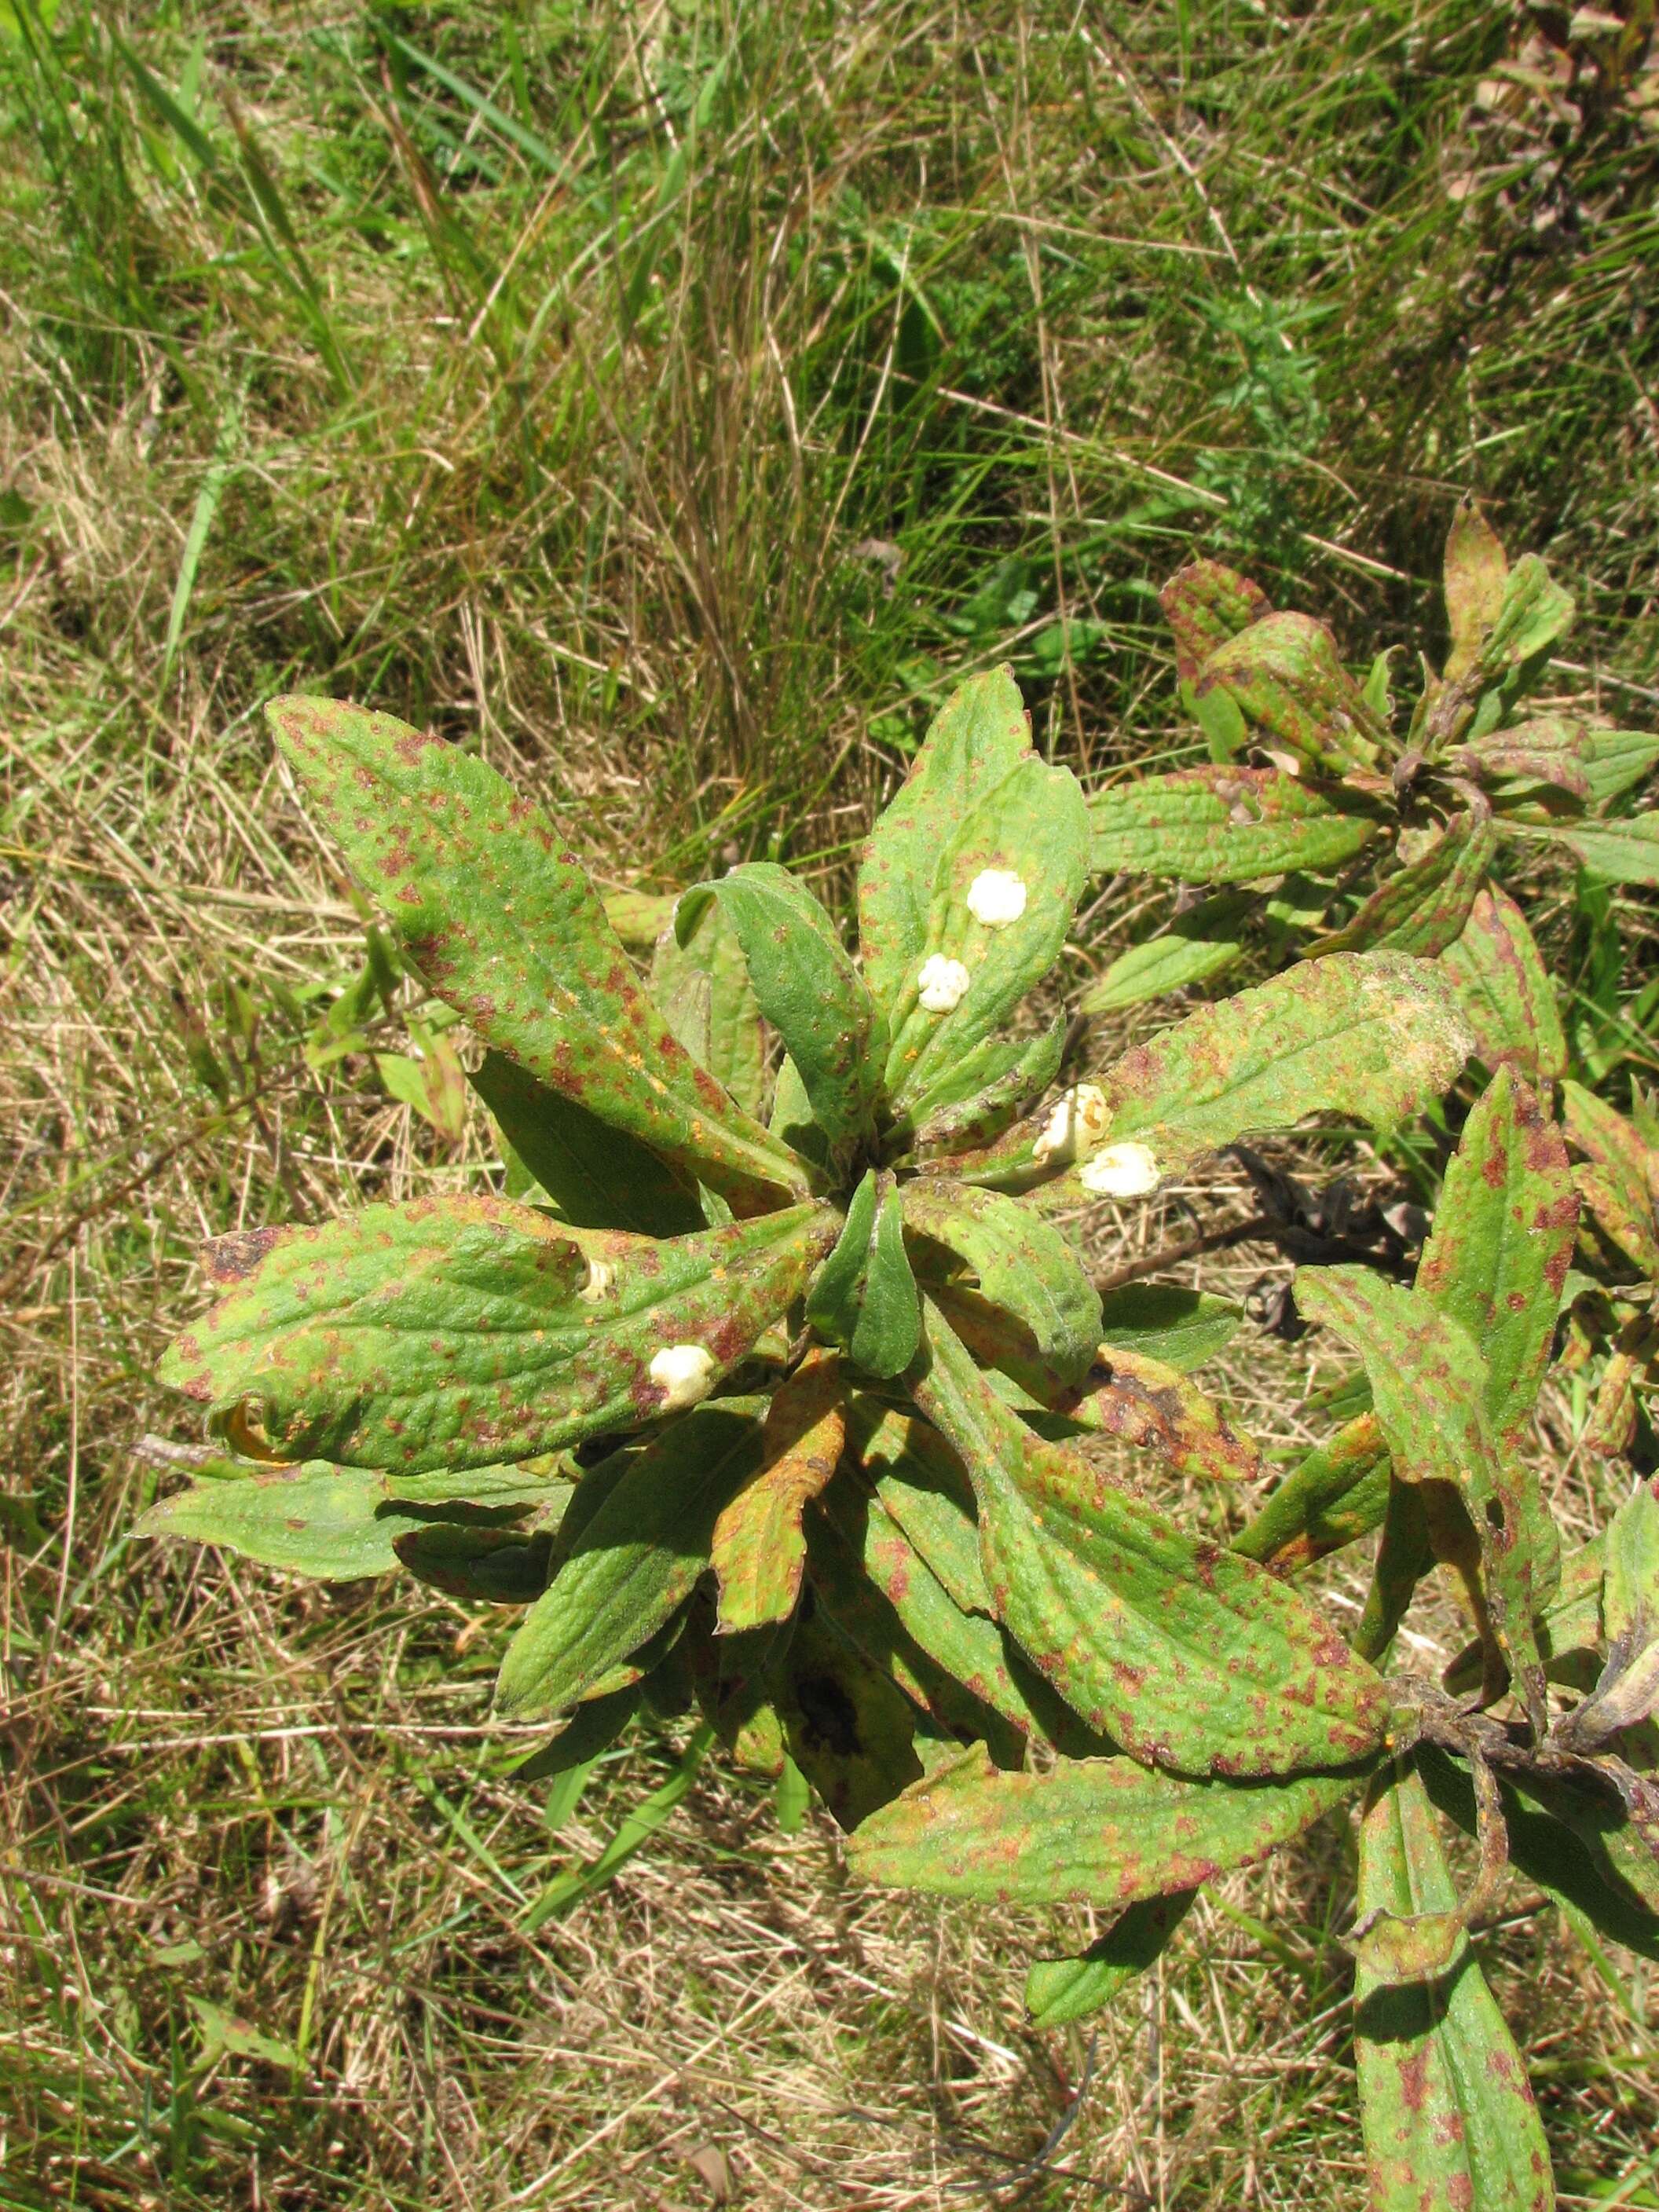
[766,1387]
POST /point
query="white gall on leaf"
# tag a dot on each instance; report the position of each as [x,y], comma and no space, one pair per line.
[685,1373]
[942,984]
[601,1278]
[1122,1171]
[1078,1120]
[996,896]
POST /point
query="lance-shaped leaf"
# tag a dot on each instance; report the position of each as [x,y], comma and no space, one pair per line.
[850,1728]
[1620,1179]
[807,986]
[635,1562]
[702,985]
[335,1524]
[1202,943]
[600,1178]
[506,928]
[1506,998]
[1532,614]
[1444,2094]
[759,1550]
[1334,1497]
[1424,906]
[1058,1990]
[1186,1654]
[1569,1629]
[1204,604]
[1476,570]
[1501,1246]
[731,1679]
[1225,825]
[1164,1320]
[864,1297]
[1284,676]
[1549,750]
[995,1081]
[1616,852]
[1433,1393]
[1089,1832]
[975,742]
[1006,885]
[923,1487]
[1023,1264]
[459,1332]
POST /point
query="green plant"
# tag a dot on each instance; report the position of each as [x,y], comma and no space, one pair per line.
[784,1410]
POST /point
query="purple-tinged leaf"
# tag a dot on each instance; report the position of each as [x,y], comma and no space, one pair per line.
[506,928]
[1103,1832]
[1224,824]
[459,1332]
[1424,906]
[1551,751]
[1204,604]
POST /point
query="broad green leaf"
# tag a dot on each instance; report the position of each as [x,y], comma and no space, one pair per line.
[1533,614]
[1202,943]
[1443,2094]
[1225,825]
[492,1566]
[1433,1395]
[1476,570]
[1184,1654]
[506,928]
[635,1562]
[335,1524]
[1504,995]
[703,989]
[1090,1831]
[1162,1320]
[994,1081]
[1006,885]
[1286,678]
[1424,906]
[1022,1263]
[1501,1246]
[759,1550]
[1204,604]
[791,1117]
[864,1297]
[1058,1990]
[807,986]
[458,1331]
[599,1177]
[975,742]
[1551,749]
[849,1728]
[922,1485]
[1331,1498]
[1616,852]
[1615,761]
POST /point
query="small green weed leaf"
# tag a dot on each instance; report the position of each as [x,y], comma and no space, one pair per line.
[507,928]
[807,986]
[1204,604]
[1162,1320]
[635,1563]
[1476,569]
[643,1821]
[1337,1494]
[924,1488]
[1022,1263]
[1423,907]
[1090,1831]
[1202,943]
[456,1332]
[864,1297]
[1507,999]
[703,988]
[640,918]
[1186,1655]
[1286,678]
[1434,1393]
[1444,2094]
[759,1550]
[1225,825]
[849,1728]
[228,2032]
[598,1176]
[1615,761]
[994,1081]
[1006,885]
[1059,1990]
[1616,852]
[1373,1036]
[973,744]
